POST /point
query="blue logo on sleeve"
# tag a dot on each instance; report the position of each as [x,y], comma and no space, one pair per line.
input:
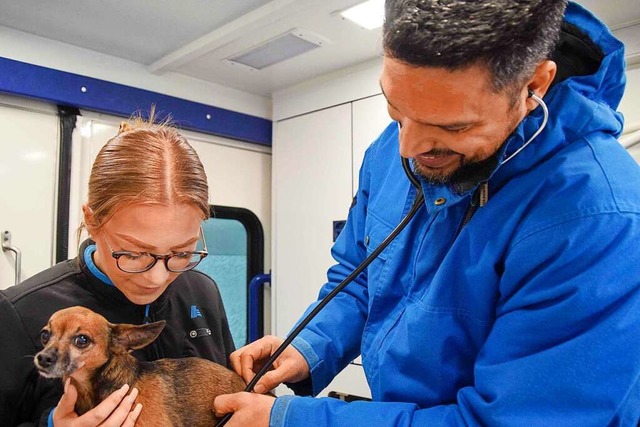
[195,312]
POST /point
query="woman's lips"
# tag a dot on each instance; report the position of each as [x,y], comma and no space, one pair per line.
[436,161]
[147,290]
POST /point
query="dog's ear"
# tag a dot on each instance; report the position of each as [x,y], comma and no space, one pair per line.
[134,337]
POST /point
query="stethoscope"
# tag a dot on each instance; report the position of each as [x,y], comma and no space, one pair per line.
[360,268]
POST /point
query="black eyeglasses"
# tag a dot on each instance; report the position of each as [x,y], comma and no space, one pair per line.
[176,262]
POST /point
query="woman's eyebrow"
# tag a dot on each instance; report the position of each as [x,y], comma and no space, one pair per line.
[148,247]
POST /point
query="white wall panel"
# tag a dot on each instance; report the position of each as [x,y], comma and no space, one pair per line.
[630,105]
[341,87]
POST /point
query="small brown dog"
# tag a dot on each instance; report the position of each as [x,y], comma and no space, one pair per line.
[82,345]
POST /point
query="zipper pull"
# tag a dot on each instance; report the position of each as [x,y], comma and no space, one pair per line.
[147,318]
[484,194]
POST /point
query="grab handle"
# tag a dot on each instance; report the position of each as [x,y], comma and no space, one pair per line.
[7,246]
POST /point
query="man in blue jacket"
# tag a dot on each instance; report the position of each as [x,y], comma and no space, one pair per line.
[513,296]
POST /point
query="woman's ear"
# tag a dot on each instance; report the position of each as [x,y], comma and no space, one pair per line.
[89,219]
[541,81]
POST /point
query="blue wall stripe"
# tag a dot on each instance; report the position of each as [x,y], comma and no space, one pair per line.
[21,78]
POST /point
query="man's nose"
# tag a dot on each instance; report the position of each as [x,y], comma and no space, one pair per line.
[414,139]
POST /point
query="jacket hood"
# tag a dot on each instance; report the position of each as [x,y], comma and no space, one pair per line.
[584,96]
[583,99]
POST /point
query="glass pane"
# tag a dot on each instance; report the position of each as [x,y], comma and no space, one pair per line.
[227,265]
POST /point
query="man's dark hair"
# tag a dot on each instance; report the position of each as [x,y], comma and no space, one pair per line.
[510,36]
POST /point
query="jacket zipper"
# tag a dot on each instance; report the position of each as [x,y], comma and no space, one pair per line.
[154,345]
[479,199]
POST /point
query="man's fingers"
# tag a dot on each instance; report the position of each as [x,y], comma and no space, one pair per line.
[226,403]
[269,381]
[249,409]
[251,360]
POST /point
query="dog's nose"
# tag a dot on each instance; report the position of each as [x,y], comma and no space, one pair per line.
[46,360]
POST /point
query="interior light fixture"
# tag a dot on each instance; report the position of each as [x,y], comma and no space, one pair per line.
[369,14]
[278,49]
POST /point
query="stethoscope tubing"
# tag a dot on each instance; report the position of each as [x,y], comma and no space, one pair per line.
[359,269]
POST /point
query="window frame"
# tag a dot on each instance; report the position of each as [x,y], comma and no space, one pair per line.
[255,249]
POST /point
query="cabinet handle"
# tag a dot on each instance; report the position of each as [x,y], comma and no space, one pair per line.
[7,246]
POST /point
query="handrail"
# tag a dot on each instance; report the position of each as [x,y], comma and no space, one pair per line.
[7,246]
[255,310]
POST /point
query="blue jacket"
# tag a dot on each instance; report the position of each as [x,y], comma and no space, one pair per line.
[529,315]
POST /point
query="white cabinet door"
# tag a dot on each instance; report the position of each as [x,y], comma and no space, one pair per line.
[28,159]
[370,118]
[311,188]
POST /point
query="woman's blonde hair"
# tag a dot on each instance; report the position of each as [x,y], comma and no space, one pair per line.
[145,163]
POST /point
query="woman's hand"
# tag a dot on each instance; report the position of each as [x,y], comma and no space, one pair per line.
[290,366]
[114,411]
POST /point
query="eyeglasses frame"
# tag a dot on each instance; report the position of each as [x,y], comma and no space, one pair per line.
[165,258]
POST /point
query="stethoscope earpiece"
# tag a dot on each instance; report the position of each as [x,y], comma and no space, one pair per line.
[545,119]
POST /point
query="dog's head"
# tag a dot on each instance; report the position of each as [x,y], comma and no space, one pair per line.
[77,341]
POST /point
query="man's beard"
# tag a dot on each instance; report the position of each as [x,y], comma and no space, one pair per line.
[465,174]
[469,173]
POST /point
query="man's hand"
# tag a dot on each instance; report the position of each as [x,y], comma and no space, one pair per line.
[114,411]
[290,366]
[249,409]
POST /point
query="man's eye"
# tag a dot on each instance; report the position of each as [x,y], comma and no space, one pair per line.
[81,341]
[458,129]
[45,336]
[134,255]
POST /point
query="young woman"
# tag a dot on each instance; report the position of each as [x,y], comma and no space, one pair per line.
[148,196]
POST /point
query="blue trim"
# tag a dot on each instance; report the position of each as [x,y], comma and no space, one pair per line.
[93,268]
[50,419]
[147,319]
[279,410]
[34,81]
[255,311]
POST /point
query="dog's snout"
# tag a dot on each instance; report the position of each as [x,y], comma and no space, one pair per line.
[45,360]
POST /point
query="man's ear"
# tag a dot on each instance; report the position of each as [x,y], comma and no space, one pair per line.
[135,337]
[541,81]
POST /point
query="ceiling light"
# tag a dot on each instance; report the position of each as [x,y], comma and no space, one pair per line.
[369,14]
[278,49]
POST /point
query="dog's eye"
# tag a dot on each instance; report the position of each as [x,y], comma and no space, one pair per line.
[81,341]
[44,337]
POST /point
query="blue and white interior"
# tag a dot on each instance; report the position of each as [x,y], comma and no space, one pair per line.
[281,129]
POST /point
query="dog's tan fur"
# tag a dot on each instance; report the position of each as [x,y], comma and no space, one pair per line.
[173,392]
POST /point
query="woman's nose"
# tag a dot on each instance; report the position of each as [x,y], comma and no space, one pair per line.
[158,274]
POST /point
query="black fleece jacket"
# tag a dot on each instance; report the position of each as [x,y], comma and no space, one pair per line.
[191,305]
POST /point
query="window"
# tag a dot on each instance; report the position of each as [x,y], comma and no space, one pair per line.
[235,241]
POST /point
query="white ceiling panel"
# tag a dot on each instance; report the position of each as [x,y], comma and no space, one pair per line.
[195,37]
[347,44]
[137,30]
